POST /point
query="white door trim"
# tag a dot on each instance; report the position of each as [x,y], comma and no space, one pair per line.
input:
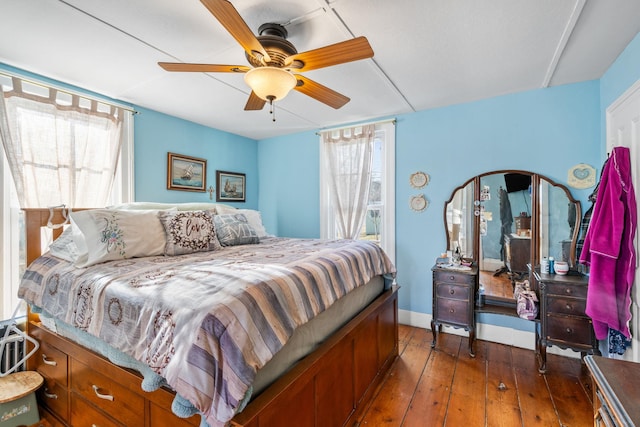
[628,106]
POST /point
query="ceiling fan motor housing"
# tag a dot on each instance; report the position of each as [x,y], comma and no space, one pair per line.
[273,38]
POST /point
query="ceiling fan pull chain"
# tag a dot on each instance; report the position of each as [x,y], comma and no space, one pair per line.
[272,108]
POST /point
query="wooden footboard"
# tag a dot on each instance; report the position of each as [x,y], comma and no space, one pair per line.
[329,387]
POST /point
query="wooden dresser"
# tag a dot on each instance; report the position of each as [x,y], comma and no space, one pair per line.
[82,389]
[563,321]
[517,252]
[615,391]
[453,301]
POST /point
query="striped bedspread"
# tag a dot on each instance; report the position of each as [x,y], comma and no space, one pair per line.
[206,322]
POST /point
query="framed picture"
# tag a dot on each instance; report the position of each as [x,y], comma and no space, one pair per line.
[186,173]
[231,187]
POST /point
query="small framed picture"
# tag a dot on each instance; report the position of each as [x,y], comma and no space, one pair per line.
[231,187]
[186,173]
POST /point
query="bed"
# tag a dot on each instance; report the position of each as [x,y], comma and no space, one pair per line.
[329,377]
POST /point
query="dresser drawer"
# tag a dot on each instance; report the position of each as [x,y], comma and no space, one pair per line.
[571,306]
[453,277]
[453,311]
[447,290]
[566,290]
[51,363]
[85,415]
[54,397]
[572,330]
[122,403]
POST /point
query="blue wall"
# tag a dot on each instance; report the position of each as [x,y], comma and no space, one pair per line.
[289,172]
[546,131]
[156,134]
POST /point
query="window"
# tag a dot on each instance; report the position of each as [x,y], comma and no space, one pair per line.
[379,222]
[37,130]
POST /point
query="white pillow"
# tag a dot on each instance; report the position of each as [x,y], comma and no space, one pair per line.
[64,246]
[253,217]
[189,206]
[109,234]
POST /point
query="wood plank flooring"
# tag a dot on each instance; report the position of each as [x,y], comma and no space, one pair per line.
[497,286]
[501,386]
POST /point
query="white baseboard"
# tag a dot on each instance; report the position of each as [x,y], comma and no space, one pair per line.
[485,332]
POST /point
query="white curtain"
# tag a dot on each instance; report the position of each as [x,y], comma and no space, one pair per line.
[61,148]
[349,155]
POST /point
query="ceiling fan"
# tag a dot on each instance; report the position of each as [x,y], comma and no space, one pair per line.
[274,60]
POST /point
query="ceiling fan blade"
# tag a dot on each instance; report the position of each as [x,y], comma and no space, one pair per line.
[230,19]
[203,68]
[320,93]
[254,102]
[339,53]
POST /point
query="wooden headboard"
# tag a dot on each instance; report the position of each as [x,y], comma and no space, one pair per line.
[34,220]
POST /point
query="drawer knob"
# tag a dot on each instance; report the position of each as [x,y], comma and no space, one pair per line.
[49,395]
[100,395]
[46,361]
[452,291]
[452,278]
[568,307]
[568,291]
[451,310]
[569,330]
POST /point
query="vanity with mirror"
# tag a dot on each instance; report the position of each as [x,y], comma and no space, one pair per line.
[507,221]
[504,223]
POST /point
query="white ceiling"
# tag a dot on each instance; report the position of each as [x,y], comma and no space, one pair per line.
[428,53]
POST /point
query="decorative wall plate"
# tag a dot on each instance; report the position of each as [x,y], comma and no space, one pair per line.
[582,176]
[418,203]
[419,179]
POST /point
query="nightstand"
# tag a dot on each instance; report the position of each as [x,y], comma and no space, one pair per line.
[563,321]
[453,301]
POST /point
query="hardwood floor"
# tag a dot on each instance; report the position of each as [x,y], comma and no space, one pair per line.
[497,286]
[501,386]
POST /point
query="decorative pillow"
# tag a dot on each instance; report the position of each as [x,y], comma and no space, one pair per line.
[234,229]
[64,246]
[108,234]
[188,232]
[253,217]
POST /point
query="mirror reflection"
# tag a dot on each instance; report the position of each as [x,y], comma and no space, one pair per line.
[505,232]
[459,212]
[508,220]
[559,222]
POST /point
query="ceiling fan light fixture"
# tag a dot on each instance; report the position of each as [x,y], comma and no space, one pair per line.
[270,83]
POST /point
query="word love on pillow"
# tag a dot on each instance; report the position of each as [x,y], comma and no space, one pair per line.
[189,232]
